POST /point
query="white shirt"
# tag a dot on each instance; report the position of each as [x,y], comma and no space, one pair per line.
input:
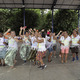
[1,43]
[26,41]
[34,44]
[48,44]
[41,46]
[65,41]
[75,40]
[53,41]
[12,43]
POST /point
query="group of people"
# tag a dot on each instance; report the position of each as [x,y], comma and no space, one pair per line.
[35,44]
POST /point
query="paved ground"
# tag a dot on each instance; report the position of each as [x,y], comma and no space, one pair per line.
[54,71]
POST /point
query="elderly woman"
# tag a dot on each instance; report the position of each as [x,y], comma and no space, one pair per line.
[12,48]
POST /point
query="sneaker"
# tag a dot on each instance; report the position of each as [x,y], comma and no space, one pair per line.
[43,67]
[60,56]
[77,58]
[1,64]
[73,59]
[24,61]
[39,66]
[54,56]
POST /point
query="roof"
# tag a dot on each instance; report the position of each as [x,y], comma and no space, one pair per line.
[41,4]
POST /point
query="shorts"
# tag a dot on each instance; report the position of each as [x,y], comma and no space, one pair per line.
[54,47]
[3,53]
[65,50]
[74,49]
[50,49]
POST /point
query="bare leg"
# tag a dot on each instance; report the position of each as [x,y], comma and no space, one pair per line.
[62,56]
[41,61]
[49,57]
[66,58]
[0,61]
[54,53]
[73,55]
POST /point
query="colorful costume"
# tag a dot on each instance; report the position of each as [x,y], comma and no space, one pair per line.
[25,49]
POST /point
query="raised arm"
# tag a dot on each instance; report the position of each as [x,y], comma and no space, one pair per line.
[58,34]
[39,41]
[21,32]
[6,33]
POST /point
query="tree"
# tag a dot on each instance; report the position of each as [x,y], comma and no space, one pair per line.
[65,20]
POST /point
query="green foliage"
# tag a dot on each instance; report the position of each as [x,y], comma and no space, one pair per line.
[13,18]
[36,18]
[65,20]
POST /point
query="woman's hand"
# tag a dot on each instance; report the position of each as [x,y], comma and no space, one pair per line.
[9,30]
[62,44]
[21,28]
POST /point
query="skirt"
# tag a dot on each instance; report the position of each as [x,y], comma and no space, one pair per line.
[32,55]
[3,53]
[24,51]
[10,56]
[40,55]
[74,49]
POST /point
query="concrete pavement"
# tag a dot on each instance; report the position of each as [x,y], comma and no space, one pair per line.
[54,71]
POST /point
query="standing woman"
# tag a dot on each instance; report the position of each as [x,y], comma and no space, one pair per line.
[26,46]
[75,43]
[41,50]
[34,47]
[12,48]
[65,44]
[54,41]
[2,50]
[49,47]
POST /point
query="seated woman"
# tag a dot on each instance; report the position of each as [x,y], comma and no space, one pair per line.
[26,46]
[2,50]
[12,48]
